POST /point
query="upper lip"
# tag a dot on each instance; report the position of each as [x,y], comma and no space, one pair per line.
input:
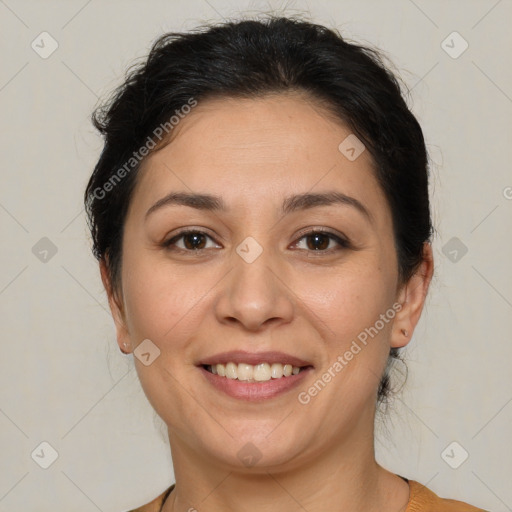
[253,358]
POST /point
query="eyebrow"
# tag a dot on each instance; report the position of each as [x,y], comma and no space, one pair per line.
[290,204]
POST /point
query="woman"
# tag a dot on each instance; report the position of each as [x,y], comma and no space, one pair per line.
[261,217]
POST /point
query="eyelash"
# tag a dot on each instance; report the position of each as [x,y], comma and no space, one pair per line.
[343,243]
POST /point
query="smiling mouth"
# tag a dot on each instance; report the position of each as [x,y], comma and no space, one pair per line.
[254,373]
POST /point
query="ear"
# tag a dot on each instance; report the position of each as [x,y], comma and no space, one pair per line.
[412,297]
[116,308]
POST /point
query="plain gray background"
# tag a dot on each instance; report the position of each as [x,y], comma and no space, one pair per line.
[63,380]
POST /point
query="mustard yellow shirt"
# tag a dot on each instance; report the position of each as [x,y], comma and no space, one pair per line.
[421,499]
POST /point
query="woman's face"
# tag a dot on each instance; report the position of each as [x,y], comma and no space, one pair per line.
[253,279]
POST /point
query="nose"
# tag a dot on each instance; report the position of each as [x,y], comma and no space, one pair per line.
[255,294]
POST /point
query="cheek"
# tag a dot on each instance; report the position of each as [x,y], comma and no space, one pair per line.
[159,300]
[353,306]
[350,298]
[162,306]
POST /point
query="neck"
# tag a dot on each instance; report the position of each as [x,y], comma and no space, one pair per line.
[344,473]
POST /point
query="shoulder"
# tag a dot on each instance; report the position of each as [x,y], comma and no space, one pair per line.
[156,504]
[423,499]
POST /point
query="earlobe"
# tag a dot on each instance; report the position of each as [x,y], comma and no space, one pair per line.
[412,299]
[116,308]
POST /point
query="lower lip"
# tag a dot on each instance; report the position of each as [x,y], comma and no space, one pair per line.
[255,391]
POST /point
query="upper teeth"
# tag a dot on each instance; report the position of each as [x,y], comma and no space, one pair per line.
[259,372]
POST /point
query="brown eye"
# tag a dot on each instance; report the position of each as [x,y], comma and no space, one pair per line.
[192,241]
[319,241]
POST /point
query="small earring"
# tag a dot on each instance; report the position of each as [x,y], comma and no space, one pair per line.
[405,333]
[125,345]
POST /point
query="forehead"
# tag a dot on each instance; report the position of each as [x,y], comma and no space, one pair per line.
[271,129]
[251,151]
